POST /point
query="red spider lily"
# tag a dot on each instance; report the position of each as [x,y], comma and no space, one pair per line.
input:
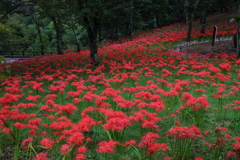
[166,73]
[80,157]
[116,124]
[115,120]
[231,154]
[51,97]
[36,86]
[185,132]
[64,149]
[85,124]
[86,110]
[68,108]
[174,91]
[144,95]
[36,121]
[149,141]
[47,143]
[8,99]
[107,146]
[47,77]
[60,88]
[166,158]
[33,98]
[76,139]
[19,125]
[25,143]
[101,103]
[110,92]
[220,92]
[225,66]
[200,90]
[237,139]
[74,94]
[33,132]
[236,146]
[42,156]
[214,69]
[82,149]
[71,77]
[158,106]
[60,123]
[129,143]
[89,96]
[147,119]
[26,105]
[195,103]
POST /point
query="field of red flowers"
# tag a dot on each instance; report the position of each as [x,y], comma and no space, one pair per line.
[144,102]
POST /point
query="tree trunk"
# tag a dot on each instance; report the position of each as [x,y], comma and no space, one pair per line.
[238,35]
[224,6]
[92,35]
[59,30]
[75,34]
[126,30]
[190,10]
[189,30]
[39,33]
[203,18]
[131,20]
[99,35]
[157,20]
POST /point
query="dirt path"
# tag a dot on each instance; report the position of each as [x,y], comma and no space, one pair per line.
[205,48]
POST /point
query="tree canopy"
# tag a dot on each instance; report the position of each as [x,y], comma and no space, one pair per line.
[60,25]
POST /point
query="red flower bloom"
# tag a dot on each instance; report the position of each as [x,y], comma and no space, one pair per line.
[41,156]
[46,143]
[82,149]
[129,143]
[107,146]
[64,149]
[236,146]
[80,157]
[185,132]
[25,143]
[76,139]
[149,141]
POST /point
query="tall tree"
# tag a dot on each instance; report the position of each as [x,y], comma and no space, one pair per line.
[93,14]
[57,12]
[203,16]
[177,6]
[190,9]
[238,32]
[38,26]
[75,32]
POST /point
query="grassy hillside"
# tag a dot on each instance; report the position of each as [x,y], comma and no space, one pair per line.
[144,102]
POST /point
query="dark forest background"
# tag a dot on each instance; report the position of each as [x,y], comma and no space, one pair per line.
[60,25]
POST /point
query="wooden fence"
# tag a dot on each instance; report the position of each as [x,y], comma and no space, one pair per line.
[22,54]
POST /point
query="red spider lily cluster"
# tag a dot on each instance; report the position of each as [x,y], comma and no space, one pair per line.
[142,102]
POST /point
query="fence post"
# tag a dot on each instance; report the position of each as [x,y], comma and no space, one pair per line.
[214,35]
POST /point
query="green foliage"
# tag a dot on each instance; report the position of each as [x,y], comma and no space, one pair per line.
[4,32]
[4,71]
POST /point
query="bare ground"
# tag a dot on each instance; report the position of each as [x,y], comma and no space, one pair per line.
[205,48]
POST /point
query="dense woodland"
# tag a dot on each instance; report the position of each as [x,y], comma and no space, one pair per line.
[60,25]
